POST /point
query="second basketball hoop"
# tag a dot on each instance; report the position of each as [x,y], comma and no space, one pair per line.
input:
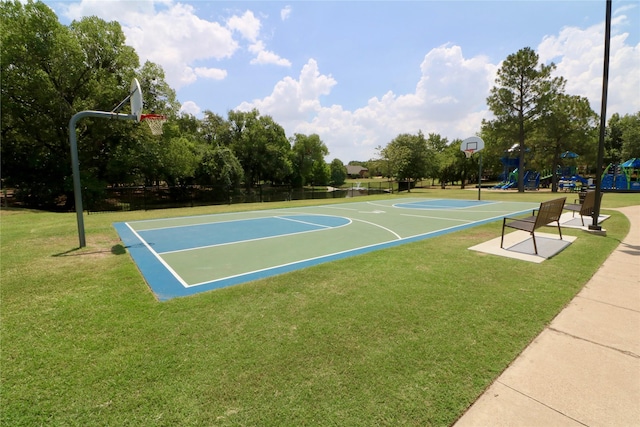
[471,145]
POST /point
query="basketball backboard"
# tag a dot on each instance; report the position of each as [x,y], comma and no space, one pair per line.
[472,144]
[135,94]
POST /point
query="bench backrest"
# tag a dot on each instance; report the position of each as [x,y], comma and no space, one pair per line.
[589,203]
[550,211]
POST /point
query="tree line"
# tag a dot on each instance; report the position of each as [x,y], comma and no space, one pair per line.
[50,71]
[535,121]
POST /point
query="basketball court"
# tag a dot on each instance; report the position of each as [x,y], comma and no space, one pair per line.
[188,255]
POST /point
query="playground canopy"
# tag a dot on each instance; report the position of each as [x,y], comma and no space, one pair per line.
[632,163]
[569,155]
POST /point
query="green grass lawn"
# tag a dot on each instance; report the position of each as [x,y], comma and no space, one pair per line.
[409,335]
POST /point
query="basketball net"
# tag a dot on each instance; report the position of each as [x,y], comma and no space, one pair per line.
[155,122]
[469,153]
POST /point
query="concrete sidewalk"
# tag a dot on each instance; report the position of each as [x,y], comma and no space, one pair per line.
[584,368]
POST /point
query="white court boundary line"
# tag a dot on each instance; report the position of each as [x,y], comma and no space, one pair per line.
[438,217]
[157,256]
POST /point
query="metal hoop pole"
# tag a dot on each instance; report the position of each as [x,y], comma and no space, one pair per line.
[479,174]
[75,164]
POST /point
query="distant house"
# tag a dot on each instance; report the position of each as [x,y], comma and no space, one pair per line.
[357,171]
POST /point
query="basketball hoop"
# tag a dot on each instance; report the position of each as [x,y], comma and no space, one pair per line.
[155,122]
[468,153]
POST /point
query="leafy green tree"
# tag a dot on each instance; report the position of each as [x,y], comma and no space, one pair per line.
[437,144]
[613,140]
[338,173]
[179,159]
[569,124]
[219,166]
[630,135]
[321,173]
[379,166]
[48,73]
[307,152]
[521,95]
[261,146]
[159,97]
[409,157]
[215,130]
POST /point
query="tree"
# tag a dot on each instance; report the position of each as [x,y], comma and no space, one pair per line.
[49,72]
[321,173]
[568,124]
[338,173]
[630,135]
[219,166]
[261,146]
[408,156]
[307,152]
[449,170]
[613,140]
[159,97]
[520,97]
[437,144]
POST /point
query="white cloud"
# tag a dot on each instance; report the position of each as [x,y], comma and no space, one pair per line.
[190,107]
[173,36]
[449,99]
[247,25]
[264,56]
[579,56]
[285,13]
[211,73]
[295,100]
[450,96]
[163,32]
[268,57]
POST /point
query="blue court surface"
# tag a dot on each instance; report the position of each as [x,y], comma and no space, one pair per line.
[188,255]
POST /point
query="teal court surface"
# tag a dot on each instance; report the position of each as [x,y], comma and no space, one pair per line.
[188,255]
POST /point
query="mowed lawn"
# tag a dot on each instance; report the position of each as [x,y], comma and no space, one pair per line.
[409,335]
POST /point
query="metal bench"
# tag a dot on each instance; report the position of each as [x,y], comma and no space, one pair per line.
[586,207]
[547,213]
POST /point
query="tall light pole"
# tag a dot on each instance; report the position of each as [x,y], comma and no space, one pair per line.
[603,119]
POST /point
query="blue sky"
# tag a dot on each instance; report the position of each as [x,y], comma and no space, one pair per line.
[358,73]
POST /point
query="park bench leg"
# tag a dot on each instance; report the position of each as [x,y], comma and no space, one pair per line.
[560,229]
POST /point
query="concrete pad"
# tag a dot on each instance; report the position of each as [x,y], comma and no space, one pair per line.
[618,293]
[569,220]
[505,407]
[519,245]
[605,324]
[592,384]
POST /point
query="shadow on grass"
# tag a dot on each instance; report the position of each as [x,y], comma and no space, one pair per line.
[115,250]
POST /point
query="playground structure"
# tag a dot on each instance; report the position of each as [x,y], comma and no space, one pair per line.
[616,177]
[568,177]
[622,177]
[509,176]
